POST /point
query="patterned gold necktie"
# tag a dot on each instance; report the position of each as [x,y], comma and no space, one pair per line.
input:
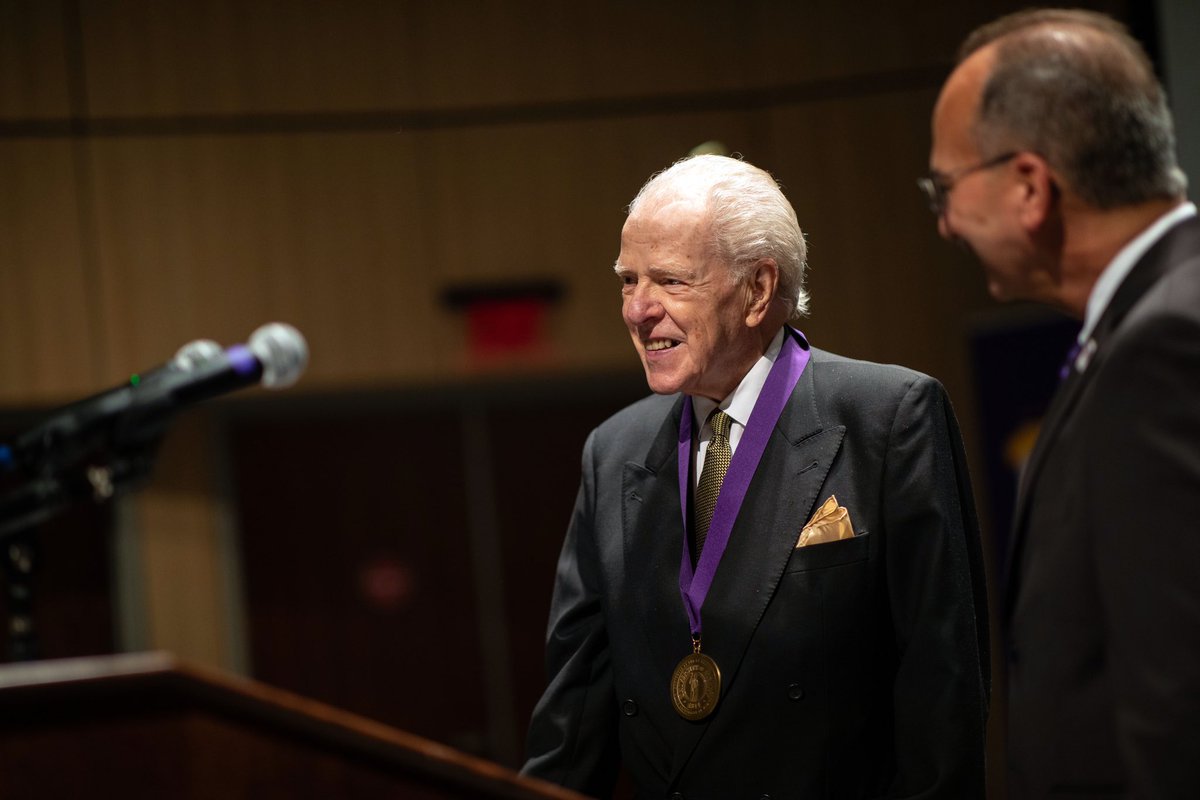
[716,464]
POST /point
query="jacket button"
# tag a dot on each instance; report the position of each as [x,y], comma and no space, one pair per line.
[795,692]
[629,708]
[676,796]
[765,797]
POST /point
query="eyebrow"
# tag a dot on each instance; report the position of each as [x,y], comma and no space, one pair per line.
[657,272]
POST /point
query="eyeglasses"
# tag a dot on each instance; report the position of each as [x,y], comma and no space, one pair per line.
[937,185]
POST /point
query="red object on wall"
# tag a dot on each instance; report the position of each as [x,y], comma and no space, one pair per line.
[506,325]
[507,318]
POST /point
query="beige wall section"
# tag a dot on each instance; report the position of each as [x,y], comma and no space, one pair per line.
[232,56]
[176,556]
[33,61]
[49,342]
[212,236]
[157,224]
[884,286]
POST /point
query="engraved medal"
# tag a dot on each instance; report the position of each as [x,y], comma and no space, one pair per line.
[696,685]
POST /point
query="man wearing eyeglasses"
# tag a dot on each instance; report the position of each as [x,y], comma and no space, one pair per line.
[1053,162]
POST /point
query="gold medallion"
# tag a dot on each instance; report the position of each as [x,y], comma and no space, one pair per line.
[696,686]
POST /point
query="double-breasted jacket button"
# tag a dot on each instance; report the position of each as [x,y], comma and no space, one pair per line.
[629,708]
[795,692]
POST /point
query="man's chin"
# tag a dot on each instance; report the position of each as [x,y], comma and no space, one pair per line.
[662,384]
[662,387]
[1002,290]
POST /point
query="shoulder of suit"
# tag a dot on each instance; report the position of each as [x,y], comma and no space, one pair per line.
[831,368]
[836,379]
[1178,291]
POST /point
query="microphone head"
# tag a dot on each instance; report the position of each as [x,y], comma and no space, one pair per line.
[195,354]
[282,351]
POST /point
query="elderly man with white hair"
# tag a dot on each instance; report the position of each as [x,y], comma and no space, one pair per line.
[771,585]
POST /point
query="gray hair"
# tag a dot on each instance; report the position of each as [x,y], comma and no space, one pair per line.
[1076,88]
[749,218]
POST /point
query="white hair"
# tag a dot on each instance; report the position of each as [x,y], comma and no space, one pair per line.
[749,218]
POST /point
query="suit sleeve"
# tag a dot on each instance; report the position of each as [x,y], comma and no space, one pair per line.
[572,737]
[938,601]
[1142,484]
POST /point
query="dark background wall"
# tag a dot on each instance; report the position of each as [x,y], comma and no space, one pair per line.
[382,536]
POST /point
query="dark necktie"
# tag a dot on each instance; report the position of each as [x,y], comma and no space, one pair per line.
[716,464]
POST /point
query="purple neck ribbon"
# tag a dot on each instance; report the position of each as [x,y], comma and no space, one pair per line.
[781,381]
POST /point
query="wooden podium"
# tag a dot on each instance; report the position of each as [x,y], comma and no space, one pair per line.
[144,725]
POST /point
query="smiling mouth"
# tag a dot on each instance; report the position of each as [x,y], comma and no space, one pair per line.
[655,345]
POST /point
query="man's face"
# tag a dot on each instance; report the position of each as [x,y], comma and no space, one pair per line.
[684,311]
[979,212]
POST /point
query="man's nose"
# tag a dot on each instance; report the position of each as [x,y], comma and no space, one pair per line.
[641,304]
[944,227]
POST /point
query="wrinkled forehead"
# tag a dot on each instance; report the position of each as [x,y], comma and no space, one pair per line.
[677,215]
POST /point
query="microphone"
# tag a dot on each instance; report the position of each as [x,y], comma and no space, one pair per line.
[134,414]
[193,354]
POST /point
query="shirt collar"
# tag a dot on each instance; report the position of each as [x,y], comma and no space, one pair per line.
[740,402]
[1116,271]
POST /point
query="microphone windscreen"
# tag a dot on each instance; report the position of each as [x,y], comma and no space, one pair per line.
[282,351]
[195,354]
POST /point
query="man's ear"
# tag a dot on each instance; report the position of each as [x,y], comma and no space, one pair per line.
[762,285]
[1038,190]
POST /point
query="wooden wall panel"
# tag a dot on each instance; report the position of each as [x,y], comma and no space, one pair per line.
[353,238]
[33,61]
[358,564]
[884,285]
[177,529]
[548,200]
[49,345]
[213,236]
[275,56]
[533,509]
[207,226]
[225,56]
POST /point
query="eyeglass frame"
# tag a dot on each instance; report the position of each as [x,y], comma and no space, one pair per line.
[936,186]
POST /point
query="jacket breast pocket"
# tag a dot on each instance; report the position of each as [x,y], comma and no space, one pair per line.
[830,554]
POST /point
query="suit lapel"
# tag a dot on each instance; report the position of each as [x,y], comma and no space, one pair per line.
[1177,245]
[652,525]
[780,499]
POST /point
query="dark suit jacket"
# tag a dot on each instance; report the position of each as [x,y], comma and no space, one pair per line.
[851,669]
[1104,596]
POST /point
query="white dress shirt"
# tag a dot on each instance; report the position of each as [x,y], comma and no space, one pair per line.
[737,405]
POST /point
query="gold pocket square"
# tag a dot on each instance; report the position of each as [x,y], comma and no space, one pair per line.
[830,524]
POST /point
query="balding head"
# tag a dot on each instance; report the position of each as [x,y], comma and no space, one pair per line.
[1074,87]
